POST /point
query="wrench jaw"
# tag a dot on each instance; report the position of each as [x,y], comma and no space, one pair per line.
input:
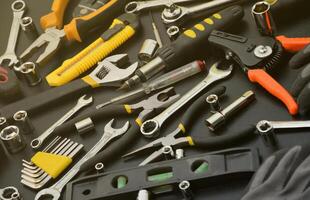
[217,71]
[116,132]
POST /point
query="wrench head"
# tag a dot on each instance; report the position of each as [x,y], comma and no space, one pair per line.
[18,6]
[48,193]
[85,100]
[150,128]
[116,132]
[108,74]
[220,73]
[51,38]
[264,127]
[9,59]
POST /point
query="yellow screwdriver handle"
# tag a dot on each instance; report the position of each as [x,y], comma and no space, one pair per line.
[91,55]
[55,17]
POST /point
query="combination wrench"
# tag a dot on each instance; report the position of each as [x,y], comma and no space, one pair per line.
[177,15]
[82,102]
[151,127]
[18,8]
[266,129]
[110,133]
[137,6]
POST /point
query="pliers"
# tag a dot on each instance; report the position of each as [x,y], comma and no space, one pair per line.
[188,120]
[77,30]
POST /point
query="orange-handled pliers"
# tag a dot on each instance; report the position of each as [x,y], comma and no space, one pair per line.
[256,56]
[77,30]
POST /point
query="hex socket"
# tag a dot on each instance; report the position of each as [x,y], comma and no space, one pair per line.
[263,18]
[12,139]
[29,72]
[23,122]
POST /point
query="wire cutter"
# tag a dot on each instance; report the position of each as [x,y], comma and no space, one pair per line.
[77,30]
[188,120]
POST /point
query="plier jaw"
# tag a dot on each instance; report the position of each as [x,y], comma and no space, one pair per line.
[156,102]
[51,39]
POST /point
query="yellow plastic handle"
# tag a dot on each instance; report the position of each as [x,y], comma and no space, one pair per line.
[87,58]
[55,18]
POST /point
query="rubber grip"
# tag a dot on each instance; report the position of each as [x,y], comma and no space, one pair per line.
[293,44]
[197,38]
[55,18]
[301,58]
[273,87]
[45,100]
[80,28]
[90,56]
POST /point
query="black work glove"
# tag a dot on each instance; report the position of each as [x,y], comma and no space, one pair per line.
[283,176]
[301,86]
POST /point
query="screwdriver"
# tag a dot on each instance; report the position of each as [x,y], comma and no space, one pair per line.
[191,45]
[163,81]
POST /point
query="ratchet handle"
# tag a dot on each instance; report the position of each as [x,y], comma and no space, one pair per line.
[80,28]
[293,44]
[197,38]
[55,17]
[45,99]
[273,87]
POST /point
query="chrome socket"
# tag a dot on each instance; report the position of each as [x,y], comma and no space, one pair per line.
[23,122]
[3,123]
[219,118]
[84,126]
[262,16]
[10,193]
[184,187]
[29,72]
[29,28]
[147,51]
[179,154]
[99,167]
[143,195]
[168,152]
[173,32]
[213,101]
[12,139]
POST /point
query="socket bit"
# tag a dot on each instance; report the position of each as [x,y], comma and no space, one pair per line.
[220,117]
[23,122]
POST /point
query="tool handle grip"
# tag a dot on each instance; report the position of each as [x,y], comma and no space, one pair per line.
[293,44]
[91,55]
[45,100]
[193,43]
[273,87]
[115,149]
[81,27]
[55,17]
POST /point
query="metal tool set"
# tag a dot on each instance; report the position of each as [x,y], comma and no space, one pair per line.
[125,94]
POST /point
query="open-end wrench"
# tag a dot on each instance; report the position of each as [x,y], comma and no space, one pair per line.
[151,127]
[82,102]
[175,14]
[137,6]
[18,8]
[55,190]
[46,178]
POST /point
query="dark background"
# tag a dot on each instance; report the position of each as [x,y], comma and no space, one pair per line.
[293,22]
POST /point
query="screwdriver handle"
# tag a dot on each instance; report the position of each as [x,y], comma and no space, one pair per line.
[55,17]
[193,43]
[81,27]
[273,87]
[293,44]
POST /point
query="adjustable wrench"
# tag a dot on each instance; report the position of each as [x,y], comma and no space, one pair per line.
[175,14]
[109,134]
[137,6]
[18,8]
[82,102]
[150,127]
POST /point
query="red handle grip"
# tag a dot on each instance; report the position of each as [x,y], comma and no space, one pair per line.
[273,87]
[293,44]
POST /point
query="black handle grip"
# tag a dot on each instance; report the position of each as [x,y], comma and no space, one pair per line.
[47,99]
[301,58]
[80,28]
[193,43]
